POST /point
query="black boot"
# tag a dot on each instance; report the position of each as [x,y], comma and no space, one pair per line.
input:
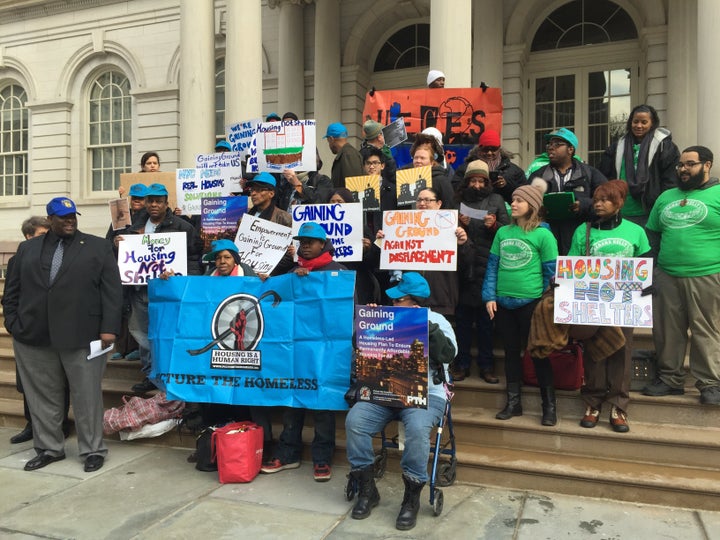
[411,504]
[25,435]
[368,496]
[513,406]
[549,406]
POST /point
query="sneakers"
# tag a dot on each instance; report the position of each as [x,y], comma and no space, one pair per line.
[618,420]
[710,395]
[659,388]
[275,465]
[322,472]
[591,418]
[134,355]
[116,356]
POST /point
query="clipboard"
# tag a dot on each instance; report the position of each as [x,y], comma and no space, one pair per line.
[557,205]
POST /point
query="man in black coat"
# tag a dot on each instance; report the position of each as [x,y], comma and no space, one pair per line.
[63,292]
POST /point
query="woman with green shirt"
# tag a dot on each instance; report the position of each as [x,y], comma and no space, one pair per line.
[520,266]
[610,236]
[644,158]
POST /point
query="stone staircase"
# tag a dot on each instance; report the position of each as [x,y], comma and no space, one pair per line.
[670,456]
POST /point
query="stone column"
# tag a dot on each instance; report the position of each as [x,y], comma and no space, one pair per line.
[708,60]
[243,65]
[197,79]
[291,68]
[682,73]
[451,41]
[487,58]
[327,72]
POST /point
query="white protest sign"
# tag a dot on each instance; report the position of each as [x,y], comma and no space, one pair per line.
[474,213]
[229,163]
[142,257]
[192,185]
[603,291]
[241,136]
[343,224]
[262,243]
[288,145]
[419,240]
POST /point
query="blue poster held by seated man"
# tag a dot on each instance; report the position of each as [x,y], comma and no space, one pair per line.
[285,341]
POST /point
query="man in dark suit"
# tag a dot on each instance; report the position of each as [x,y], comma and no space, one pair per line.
[63,292]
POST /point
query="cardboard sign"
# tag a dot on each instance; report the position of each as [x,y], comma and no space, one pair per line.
[366,190]
[419,240]
[603,291]
[343,224]
[167,179]
[241,136]
[262,243]
[288,145]
[391,363]
[119,213]
[142,257]
[220,217]
[229,163]
[244,341]
[410,182]
[193,185]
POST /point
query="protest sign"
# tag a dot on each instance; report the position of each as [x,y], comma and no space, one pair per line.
[220,217]
[343,224]
[603,291]
[287,145]
[391,364]
[262,243]
[244,341]
[395,133]
[366,190]
[410,182]
[167,179]
[241,136]
[230,165]
[119,213]
[143,257]
[195,184]
[419,240]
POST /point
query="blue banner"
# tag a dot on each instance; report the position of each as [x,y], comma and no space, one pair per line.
[243,341]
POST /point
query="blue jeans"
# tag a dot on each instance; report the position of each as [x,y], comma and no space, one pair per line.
[138,326]
[366,419]
[465,316]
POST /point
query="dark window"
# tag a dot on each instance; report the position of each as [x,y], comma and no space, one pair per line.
[406,48]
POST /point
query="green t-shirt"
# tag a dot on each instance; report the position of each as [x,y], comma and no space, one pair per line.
[632,207]
[521,256]
[689,222]
[626,240]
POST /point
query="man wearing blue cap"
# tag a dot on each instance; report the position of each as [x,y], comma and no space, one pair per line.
[348,161]
[314,255]
[565,174]
[156,217]
[366,419]
[63,292]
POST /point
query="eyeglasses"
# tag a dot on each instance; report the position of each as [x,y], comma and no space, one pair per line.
[259,189]
[373,163]
[424,200]
[400,300]
[688,164]
[489,148]
[555,144]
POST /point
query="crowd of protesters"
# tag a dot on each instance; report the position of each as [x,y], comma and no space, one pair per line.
[657,202]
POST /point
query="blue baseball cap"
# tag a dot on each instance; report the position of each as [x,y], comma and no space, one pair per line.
[156,190]
[272,116]
[223,145]
[220,245]
[412,284]
[263,178]
[61,206]
[311,229]
[565,134]
[336,130]
[138,190]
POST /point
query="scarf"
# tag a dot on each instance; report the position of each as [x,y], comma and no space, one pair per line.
[318,262]
[636,178]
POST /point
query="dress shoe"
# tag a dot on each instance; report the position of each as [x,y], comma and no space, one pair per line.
[24,436]
[660,388]
[618,420]
[94,462]
[459,374]
[142,387]
[591,418]
[488,376]
[41,460]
